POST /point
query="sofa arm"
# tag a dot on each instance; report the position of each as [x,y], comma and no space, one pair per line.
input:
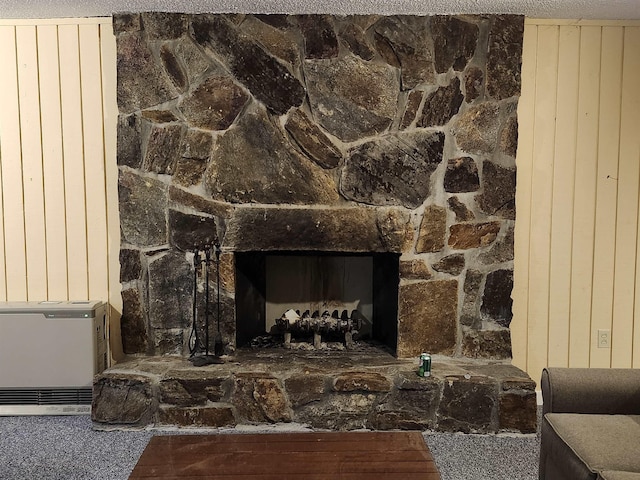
[591,390]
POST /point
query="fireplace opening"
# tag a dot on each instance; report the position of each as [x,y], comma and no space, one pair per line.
[315,299]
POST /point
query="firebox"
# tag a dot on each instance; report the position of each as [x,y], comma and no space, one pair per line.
[330,294]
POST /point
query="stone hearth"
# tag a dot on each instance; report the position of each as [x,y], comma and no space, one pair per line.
[365,135]
[342,391]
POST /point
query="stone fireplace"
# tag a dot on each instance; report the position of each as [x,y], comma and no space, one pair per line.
[362,135]
[385,142]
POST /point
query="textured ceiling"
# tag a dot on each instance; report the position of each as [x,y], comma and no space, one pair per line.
[573,9]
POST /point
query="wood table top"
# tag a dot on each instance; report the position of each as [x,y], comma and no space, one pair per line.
[292,456]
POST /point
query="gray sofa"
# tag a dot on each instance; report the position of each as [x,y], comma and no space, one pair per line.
[590,424]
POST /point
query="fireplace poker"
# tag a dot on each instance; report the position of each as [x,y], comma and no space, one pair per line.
[194,340]
[206,359]
[218,346]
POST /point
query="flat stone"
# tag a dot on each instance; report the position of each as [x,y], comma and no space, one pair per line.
[265,167]
[354,37]
[461,211]
[320,40]
[441,105]
[191,57]
[277,39]
[189,232]
[260,398]
[499,192]
[496,301]
[168,341]
[214,104]
[461,175]
[504,58]
[403,42]
[339,411]
[476,130]
[463,236]
[129,149]
[164,25]
[454,42]
[518,412]
[399,420]
[143,203]
[473,84]
[196,145]
[312,140]
[263,75]
[296,229]
[433,229]
[509,137]
[487,344]
[130,265]
[156,115]
[190,388]
[133,325]
[123,400]
[163,149]
[411,110]
[170,290]
[414,270]
[471,301]
[350,98]
[451,264]
[468,405]
[361,382]
[173,68]
[142,83]
[126,22]
[179,197]
[304,389]
[396,171]
[427,318]
[501,251]
[211,417]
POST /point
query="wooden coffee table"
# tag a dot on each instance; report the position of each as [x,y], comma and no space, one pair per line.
[278,456]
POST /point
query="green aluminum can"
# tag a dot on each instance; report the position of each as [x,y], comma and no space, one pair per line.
[426,364]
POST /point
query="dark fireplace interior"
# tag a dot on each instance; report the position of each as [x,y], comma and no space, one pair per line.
[358,288]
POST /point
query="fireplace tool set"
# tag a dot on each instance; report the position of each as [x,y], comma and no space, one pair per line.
[200,354]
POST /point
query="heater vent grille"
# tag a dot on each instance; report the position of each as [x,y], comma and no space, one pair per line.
[46,396]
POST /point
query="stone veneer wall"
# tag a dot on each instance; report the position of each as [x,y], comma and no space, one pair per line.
[351,134]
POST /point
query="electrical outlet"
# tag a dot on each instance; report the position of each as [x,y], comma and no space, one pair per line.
[604,338]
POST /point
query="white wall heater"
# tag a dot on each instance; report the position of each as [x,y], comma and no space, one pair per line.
[49,353]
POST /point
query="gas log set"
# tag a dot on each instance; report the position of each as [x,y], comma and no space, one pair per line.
[331,324]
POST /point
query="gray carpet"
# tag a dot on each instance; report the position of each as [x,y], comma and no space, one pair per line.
[67,448]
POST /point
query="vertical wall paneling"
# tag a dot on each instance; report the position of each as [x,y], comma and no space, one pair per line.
[53,162]
[31,148]
[542,188]
[579,161]
[519,326]
[626,334]
[563,193]
[74,182]
[606,191]
[584,197]
[93,131]
[15,263]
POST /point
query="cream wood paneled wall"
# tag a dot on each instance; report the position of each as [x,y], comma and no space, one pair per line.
[576,262]
[576,259]
[59,235]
